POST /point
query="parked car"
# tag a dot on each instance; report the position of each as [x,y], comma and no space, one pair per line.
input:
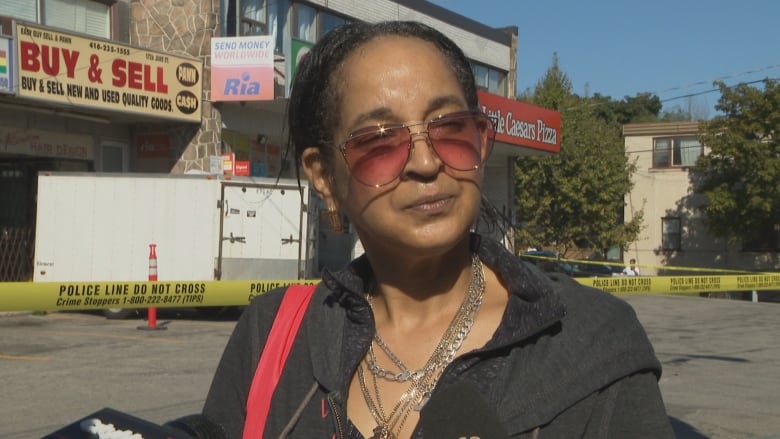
[592,269]
[547,261]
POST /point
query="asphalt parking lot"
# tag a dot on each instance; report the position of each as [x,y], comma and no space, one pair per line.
[721,366]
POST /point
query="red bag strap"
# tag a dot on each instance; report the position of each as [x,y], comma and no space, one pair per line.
[277,347]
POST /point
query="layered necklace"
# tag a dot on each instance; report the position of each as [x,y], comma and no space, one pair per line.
[421,381]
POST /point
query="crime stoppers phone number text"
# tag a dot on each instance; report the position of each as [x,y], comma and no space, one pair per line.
[100,295]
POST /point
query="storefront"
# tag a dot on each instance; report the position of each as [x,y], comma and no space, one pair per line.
[521,130]
[72,102]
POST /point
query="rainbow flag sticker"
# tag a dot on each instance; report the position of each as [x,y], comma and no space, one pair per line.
[3,62]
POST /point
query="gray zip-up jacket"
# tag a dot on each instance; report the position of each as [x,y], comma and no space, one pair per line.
[566,361]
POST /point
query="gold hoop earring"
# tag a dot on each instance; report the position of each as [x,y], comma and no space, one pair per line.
[334,220]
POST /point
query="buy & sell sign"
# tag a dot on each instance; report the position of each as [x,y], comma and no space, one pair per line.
[78,70]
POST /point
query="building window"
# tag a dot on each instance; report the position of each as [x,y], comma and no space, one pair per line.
[491,80]
[671,233]
[91,17]
[253,16]
[764,239]
[245,17]
[310,24]
[113,157]
[22,9]
[305,23]
[328,22]
[671,152]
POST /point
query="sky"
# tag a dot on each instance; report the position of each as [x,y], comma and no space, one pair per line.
[619,48]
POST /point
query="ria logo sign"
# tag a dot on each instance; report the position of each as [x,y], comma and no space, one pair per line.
[242,68]
[242,86]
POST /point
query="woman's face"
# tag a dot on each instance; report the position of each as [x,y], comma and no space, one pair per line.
[429,207]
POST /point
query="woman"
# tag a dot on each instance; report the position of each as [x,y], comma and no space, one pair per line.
[434,332]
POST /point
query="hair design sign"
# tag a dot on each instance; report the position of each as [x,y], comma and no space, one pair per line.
[83,71]
[242,68]
[522,124]
[46,144]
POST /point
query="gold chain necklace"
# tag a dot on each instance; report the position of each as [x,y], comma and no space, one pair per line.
[424,380]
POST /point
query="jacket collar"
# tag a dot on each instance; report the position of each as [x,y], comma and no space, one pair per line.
[533,306]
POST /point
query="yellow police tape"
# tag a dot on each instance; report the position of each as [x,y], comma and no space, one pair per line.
[655,268]
[683,284]
[73,296]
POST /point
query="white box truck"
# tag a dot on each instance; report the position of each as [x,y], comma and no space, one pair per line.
[99,227]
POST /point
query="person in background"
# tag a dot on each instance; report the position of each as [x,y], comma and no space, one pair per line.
[631,269]
[435,331]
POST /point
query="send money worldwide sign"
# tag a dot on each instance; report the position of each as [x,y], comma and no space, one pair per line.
[242,68]
[78,70]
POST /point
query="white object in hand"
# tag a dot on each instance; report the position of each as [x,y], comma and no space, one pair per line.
[99,430]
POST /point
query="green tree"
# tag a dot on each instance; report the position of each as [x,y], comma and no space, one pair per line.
[740,177]
[641,108]
[676,114]
[575,198]
[644,107]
